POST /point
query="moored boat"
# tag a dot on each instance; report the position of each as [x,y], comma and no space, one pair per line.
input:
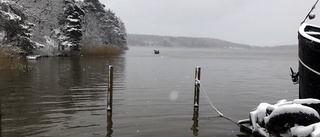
[156,51]
[309,61]
[299,117]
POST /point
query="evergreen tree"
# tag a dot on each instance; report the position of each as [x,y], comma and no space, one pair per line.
[95,6]
[60,25]
[16,27]
[115,29]
[108,28]
[71,30]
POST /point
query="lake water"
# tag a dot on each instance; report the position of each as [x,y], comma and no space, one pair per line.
[153,94]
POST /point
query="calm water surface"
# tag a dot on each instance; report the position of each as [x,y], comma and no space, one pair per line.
[153,94]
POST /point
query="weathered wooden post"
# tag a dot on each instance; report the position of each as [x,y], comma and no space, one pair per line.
[109,124]
[0,120]
[197,87]
[195,120]
[110,89]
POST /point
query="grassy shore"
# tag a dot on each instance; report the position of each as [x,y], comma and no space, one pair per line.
[9,59]
[100,50]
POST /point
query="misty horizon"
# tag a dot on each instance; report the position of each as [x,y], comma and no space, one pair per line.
[252,22]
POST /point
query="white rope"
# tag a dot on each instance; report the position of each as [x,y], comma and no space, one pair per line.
[209,101]
[211,104]
[314,71]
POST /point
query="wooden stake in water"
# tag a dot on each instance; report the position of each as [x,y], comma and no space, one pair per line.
[0,119]
[197,87]
[195,120]
[109,124]
[110,89]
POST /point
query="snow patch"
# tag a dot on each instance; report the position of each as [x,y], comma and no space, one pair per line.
[306,101]
[292,112]
[73,20]
[11,16]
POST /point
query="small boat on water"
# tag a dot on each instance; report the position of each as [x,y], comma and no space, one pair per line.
[156,51]
[299,117]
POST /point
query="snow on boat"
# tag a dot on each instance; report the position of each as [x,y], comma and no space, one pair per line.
[300,117]
[285,118]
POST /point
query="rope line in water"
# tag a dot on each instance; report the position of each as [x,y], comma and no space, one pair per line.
[211,104]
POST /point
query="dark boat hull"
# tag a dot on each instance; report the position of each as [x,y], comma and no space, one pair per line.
[309,61]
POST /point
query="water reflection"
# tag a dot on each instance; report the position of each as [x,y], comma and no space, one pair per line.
[109,124]
[195,120]
[58,96]
[0,119]
[66,97]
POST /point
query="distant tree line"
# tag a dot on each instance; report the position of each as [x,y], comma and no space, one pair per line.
[192,42]
[59,27]
[169,41]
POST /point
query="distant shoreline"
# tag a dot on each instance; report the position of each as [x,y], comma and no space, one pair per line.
[191,42]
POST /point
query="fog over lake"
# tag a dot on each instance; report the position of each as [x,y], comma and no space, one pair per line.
[252,22]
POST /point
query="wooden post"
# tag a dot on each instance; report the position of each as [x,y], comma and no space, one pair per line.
[0,119]
[110,89]
[195,120]
[109,124]
[197,87]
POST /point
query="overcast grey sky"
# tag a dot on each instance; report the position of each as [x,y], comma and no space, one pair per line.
[253,22]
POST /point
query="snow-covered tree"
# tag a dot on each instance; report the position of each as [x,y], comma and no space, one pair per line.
[71,30]
[103,26]
[95,6]
[114,29]
[13,22]
[62,26]
[44,14]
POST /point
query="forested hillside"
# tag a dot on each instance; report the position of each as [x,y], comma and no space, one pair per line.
[58,27]
[169,41]
[190,42]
